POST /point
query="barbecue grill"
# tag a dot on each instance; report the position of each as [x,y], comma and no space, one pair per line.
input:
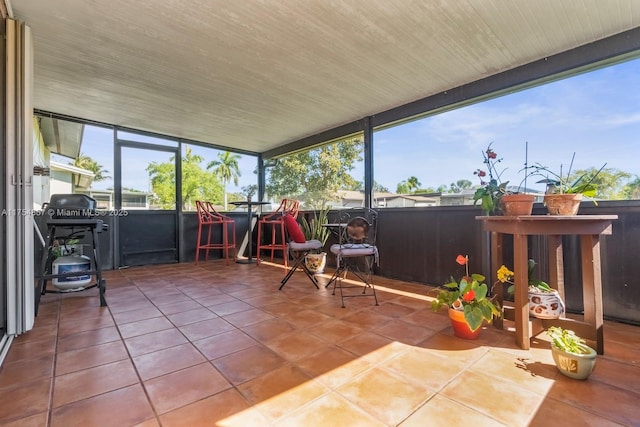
[69,206]
[71,214]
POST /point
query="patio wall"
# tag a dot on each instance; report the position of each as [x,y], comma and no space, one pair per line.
[421,244]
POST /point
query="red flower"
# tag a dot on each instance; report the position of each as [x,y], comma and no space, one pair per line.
[469,296]
[491,154]
[482,173]
[462,260]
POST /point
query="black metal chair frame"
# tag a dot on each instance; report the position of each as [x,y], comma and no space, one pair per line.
[298,251]
[352,250]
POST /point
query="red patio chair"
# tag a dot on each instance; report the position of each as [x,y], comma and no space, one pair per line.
[208,217]
[275,221]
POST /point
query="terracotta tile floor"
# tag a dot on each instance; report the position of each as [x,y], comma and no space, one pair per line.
[220,345]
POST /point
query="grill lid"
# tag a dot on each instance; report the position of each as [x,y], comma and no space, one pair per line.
[71,206]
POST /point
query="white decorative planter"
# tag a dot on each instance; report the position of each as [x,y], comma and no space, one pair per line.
[316,262]
[545,305]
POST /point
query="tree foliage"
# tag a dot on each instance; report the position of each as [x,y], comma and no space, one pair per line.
[631,189]
[408,186]
[197,183]
[315,176]
[459,185]
[377,187]
[85,162]
[227,169]
[609,182]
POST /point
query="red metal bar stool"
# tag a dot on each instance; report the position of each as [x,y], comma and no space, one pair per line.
[207,218]
[275,221]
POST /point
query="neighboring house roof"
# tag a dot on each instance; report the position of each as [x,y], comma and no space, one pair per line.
[359,196]
[142,193]
[81,177]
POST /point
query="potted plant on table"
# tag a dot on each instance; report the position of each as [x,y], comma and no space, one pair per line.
[493,194]
[468,302]
[572,356]
[314,229]
[544,301]
[564,192]
[250,191]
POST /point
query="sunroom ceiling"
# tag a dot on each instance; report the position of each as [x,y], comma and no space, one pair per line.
[256,75]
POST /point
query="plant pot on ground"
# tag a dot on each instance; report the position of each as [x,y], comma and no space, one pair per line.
[461,328]
[544,302]
[314,229]
[572,356]
[316,262]
[467,301]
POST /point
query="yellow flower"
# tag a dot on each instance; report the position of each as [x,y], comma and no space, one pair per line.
[504,274]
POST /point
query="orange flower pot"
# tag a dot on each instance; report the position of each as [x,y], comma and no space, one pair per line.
[562,204]
[460,326]
[517,204]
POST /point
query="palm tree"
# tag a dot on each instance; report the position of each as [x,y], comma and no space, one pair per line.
[85,162]
[227,169]
[413,183]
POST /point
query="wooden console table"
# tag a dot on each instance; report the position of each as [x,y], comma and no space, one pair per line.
[589,228]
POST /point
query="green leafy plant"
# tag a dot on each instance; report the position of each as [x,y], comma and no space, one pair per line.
[468,295]
[491,187]
[313,229]
[506,276]
[250,190]
[561,183]
[567,340]
[64,247]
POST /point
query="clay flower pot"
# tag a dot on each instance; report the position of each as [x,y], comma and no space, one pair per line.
[517,204]
[562,204]
[460,326]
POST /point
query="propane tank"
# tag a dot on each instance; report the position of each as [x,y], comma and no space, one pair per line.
[71,264]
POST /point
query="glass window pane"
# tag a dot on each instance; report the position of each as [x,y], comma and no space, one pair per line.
[148,184]
[432,161]
[216,176]
[330,175]
[96,157]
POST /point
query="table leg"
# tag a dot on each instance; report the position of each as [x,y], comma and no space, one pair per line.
[496,262]
[249,232]
[521,300]
[592,287]
[556,264]
[249,258]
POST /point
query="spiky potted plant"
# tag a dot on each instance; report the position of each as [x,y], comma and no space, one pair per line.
[314,229]
[564,193]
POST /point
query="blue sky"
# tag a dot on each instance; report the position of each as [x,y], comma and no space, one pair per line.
[596,115]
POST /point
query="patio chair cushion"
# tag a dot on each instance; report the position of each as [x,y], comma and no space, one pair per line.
[293,228]
[306,246]
[354,250]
